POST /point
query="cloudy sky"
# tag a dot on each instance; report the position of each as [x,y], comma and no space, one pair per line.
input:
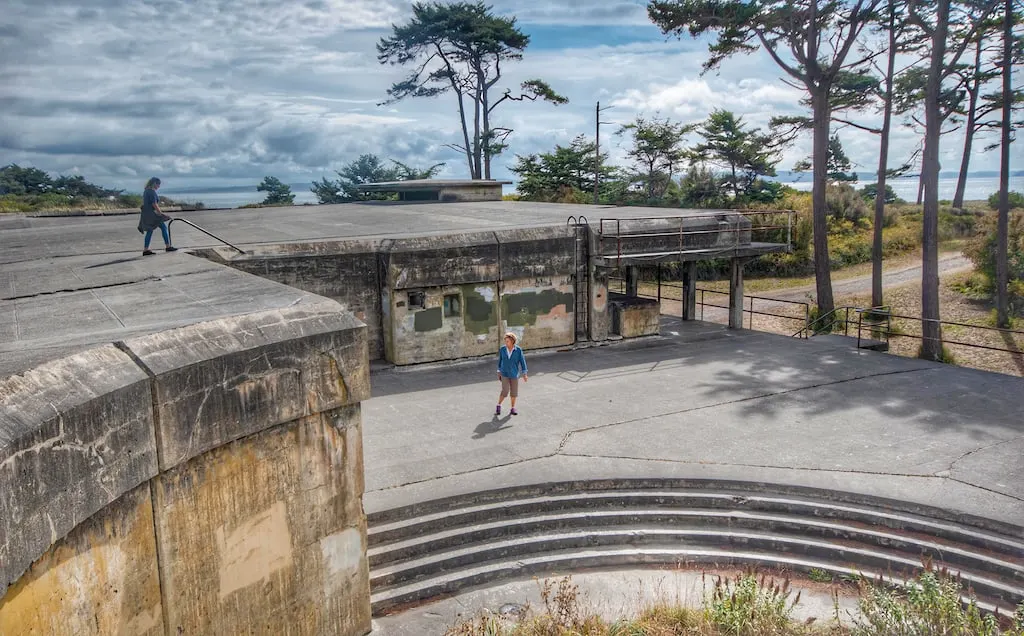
[222,92]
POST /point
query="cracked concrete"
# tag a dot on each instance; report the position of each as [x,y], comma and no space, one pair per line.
[707,403]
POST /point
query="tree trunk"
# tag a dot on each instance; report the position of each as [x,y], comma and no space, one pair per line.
[477,145]
[920,186]
[972,92]
[883,166]
[931,345]
[1002,223]
[819,212]
[465,133]
[487,126]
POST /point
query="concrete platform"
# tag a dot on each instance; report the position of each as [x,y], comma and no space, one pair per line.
[712,403]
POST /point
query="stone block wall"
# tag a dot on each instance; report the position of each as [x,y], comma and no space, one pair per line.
[204,480]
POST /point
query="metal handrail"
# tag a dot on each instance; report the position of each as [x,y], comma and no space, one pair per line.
[210,234]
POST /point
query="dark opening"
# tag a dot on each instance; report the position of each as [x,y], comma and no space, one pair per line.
[452,305]
[417,300]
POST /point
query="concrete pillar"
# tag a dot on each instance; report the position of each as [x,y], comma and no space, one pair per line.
[632,280]
[736,294]
[690,290]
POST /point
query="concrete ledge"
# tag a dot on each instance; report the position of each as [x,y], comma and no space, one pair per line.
[530,252]
[435,261]
[218,381]
[75,434]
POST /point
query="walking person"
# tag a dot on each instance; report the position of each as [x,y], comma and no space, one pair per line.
[511,364]
[152,218]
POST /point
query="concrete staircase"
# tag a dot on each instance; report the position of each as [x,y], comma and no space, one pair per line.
[445,546]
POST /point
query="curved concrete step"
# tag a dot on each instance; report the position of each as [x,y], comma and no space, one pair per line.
[684,521]
[444,546]
[680,502]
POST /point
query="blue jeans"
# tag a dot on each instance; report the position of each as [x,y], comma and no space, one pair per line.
[163,231]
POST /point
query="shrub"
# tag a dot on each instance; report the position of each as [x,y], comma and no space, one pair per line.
[982,252]
[929,604]
[751,605]
[1016,200]
[868,193]
[844,203]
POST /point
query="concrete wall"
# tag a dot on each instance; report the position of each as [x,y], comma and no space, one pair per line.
[344,271]
[468,194]
[515,280]
[202,480]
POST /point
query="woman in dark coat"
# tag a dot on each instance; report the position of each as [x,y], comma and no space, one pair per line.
[152,218]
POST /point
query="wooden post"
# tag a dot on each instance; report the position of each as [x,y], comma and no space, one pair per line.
[689,296]
[736,294]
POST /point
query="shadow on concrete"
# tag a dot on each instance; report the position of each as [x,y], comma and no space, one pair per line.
[493,425]
[830,382]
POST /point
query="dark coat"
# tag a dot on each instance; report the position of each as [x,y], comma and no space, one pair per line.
[150,218]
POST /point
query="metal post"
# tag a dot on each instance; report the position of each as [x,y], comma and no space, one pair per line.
[597,151]
[659,283]
[789,230]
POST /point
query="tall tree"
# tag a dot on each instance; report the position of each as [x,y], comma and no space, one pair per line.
[838,164]
[1002,223]
[460,48]
[745,154]
[946,50]
[811,42]
[973,78]
[657,150]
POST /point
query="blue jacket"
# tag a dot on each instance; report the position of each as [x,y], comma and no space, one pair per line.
[509,364]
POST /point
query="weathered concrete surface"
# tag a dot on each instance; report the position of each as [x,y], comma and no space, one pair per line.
[218,381]
[267,534]
[344,271]
[539,310]
[707,402]
[633,316]
[101,579]
[58,306]
[32,239]
[449,190]
[75,434]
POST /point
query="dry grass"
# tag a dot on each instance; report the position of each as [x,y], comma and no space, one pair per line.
[955,307]
[749,604]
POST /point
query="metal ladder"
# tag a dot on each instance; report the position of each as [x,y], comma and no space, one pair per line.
[581,275]
[210,234]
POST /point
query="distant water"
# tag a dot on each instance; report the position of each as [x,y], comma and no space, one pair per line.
[234,197]
[978,189]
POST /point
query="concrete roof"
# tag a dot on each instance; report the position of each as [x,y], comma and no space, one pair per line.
[73,282]
[428,184]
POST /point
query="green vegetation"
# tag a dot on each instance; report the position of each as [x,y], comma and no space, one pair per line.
[753,605]
[1016,200]
[460,48]
[982,252]
[277,193]
[33,190]
[367,169]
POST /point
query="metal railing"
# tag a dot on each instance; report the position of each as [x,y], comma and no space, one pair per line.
[210,234]
[878,320]
[610,229]
[748,301]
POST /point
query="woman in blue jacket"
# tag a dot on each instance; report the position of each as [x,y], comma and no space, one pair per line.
[511,364]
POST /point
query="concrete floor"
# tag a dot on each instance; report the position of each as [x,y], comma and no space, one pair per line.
[706,402]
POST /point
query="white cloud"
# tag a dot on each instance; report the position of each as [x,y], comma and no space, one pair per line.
[204,90]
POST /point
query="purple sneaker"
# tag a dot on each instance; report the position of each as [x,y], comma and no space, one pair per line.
[514,412]
[497,410]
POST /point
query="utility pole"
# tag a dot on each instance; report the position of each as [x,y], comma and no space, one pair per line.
[597,150]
